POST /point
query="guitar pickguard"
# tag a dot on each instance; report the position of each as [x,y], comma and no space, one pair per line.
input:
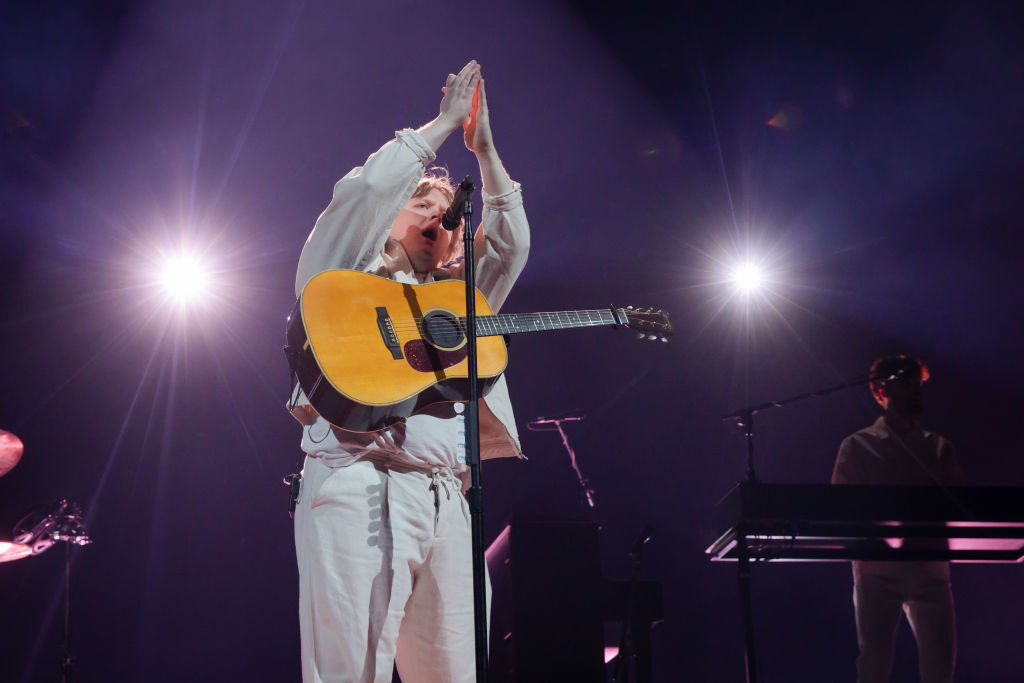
[423,357]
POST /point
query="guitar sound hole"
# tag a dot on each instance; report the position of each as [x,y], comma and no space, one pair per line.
[442,330]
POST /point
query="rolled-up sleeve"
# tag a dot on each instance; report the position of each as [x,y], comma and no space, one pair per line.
[501,245]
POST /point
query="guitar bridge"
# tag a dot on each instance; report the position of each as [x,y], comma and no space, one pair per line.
[387,333]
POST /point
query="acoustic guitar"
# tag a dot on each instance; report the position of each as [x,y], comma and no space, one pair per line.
[368,351]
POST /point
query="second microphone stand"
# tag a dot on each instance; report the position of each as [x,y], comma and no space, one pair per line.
[543,424]
[744,418]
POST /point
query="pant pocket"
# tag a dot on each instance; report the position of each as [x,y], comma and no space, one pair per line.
[336,483]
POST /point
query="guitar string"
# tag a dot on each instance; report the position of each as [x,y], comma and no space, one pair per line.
[517,319]
[603,313]
[514,321]
[508,323]
[501,326]
[527,323]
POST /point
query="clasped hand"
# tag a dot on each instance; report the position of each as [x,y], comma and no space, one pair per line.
[465,103]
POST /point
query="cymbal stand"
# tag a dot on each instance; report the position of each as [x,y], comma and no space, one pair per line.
[62,523]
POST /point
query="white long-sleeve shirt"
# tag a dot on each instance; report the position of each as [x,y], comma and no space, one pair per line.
[880,455]
[352,233]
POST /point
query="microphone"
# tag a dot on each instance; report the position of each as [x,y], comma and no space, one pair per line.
[645,538]
[556,420]
[451,218]
[892,377]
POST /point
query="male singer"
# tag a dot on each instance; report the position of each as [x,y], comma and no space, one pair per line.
[382,530]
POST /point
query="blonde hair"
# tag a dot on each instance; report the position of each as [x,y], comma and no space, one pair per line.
[437,178]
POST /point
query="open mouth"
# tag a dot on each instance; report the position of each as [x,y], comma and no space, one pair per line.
[430,234]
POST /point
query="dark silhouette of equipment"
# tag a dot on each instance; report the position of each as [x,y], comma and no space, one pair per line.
[550,603]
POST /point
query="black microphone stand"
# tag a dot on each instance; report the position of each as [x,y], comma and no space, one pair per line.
[475,495]
[744,418]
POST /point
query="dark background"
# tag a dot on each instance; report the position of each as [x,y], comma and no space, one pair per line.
[883,200]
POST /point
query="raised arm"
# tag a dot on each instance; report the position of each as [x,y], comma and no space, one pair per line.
[355,225]
[502,242]
[477,133]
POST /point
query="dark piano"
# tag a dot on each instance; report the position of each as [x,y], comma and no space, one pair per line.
[822,522]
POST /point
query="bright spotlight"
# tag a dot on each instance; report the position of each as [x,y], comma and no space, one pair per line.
[184,278]
[747,277]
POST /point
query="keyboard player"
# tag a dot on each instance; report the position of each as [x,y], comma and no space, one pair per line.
[896,450]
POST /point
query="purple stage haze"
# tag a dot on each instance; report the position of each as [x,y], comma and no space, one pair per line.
[870,158]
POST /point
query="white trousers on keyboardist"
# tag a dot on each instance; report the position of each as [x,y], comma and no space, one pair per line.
[385,575]
[921,590]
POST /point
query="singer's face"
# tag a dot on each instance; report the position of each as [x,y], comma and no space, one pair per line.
[418,228]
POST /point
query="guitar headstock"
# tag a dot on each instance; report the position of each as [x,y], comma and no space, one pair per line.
[646,322]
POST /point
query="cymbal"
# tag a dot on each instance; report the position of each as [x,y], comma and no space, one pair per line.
[11,449]
[13,551]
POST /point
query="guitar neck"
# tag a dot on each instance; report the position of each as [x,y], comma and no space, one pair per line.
[513,323]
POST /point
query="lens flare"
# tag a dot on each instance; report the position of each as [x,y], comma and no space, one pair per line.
[747,277]
[184,278]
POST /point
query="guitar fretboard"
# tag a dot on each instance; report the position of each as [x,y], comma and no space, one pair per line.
[511,323]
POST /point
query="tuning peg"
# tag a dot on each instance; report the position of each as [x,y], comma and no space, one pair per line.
[629,307]
[641,335]
[652,337]
[665,339]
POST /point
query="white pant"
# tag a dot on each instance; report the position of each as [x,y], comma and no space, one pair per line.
[920,589]
[385,575]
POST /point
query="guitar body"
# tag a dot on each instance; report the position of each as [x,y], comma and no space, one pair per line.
[368,351]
